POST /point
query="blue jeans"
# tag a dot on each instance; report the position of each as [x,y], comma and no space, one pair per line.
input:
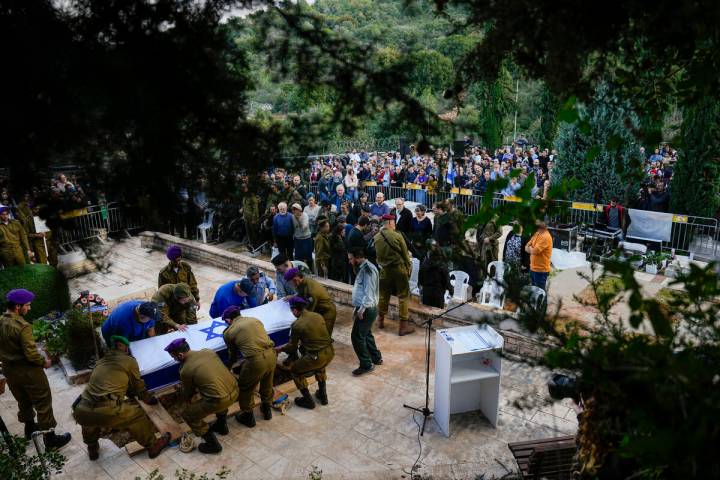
[539,279]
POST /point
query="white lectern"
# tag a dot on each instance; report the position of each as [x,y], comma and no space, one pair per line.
[467,373]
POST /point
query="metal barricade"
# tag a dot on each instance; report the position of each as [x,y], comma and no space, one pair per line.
[96,221]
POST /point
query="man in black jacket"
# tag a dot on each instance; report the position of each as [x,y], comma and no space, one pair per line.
[356,237]
[403,217]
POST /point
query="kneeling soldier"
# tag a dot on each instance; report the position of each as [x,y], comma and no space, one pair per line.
[315,294]
[310,332]
[203,372]
[23,368]
[178,305]
[247,336]
[103,405]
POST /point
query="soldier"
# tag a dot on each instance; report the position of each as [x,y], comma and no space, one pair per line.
[102,404]
[203,372]
[178,271]
[14,246]
[322,249]
[282,265]
[251,214]
[309,332]
[247,336]
[487,237]
[394,261]
[23,368]
[316,295]
[178,307]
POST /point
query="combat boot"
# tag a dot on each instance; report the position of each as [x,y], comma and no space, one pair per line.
[159,445]
[30,427]
[321,393]
[220,425]
[211,444]
[55,442]
[266,410]
[381,321]
[94,451]
[246,418]
[405,328]
[306,401]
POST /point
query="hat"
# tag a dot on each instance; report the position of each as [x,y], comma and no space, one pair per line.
[176,344]
[246,285]
[173,252]
[387,217]
[231,312]
[295,206]
[20,296]
[182,290]
[148,309]
[296,302]
[4,208]
[119,338]
[290,274]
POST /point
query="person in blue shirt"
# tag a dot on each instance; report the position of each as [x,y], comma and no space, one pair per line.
[134,320]
[238,293]
[379,208]
[282,230]
[264,289]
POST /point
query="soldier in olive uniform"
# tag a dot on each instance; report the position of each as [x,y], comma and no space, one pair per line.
[179,308]
[309,332]
[203,372]
[23,369]
[395,267]
[487,237]
[247,336]
[178,271]
[251,214]
[14,246]
[103,405]
[38,241]
[315,294]
[322,249]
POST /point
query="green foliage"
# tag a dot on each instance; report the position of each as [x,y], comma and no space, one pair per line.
[50,330]
[648,397]
[16,464]
[48,284]
[696,182]
[82,339]
[549,106]
[595,146]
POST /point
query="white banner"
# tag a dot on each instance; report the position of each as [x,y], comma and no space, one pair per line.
[650,225]
[152,357]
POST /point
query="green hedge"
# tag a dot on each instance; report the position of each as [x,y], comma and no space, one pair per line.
[48,284]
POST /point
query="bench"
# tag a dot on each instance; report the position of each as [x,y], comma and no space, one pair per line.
[549,458]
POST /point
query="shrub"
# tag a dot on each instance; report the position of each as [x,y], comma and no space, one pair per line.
[48,284]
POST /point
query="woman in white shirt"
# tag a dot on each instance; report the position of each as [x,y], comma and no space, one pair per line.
[302,240]
[351,184]
[312,210]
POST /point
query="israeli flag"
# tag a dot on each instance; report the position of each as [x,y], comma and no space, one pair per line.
[158,368]
[450,177]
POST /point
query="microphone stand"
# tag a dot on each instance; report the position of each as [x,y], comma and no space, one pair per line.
[426,412]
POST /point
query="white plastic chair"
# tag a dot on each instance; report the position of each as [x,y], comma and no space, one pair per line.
[460,282]
[499,268]
[492,292]
[207,224]
[535,296]
[414,274]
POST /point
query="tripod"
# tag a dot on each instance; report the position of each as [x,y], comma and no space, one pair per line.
[428,336]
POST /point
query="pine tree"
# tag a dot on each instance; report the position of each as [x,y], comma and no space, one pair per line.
[696,183]
[600,152]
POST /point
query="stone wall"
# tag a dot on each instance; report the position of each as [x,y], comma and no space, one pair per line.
[515,343]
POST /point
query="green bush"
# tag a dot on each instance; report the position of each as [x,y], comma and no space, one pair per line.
[79,336]
[45,281]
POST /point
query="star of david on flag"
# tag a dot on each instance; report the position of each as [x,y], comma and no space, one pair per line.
[211,330]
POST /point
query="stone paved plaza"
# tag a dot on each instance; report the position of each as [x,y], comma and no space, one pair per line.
[363,433]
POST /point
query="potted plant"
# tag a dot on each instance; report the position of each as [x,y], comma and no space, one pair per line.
[654,262]
[49,332]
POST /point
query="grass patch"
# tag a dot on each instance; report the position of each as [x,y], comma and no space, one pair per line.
[607,286]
